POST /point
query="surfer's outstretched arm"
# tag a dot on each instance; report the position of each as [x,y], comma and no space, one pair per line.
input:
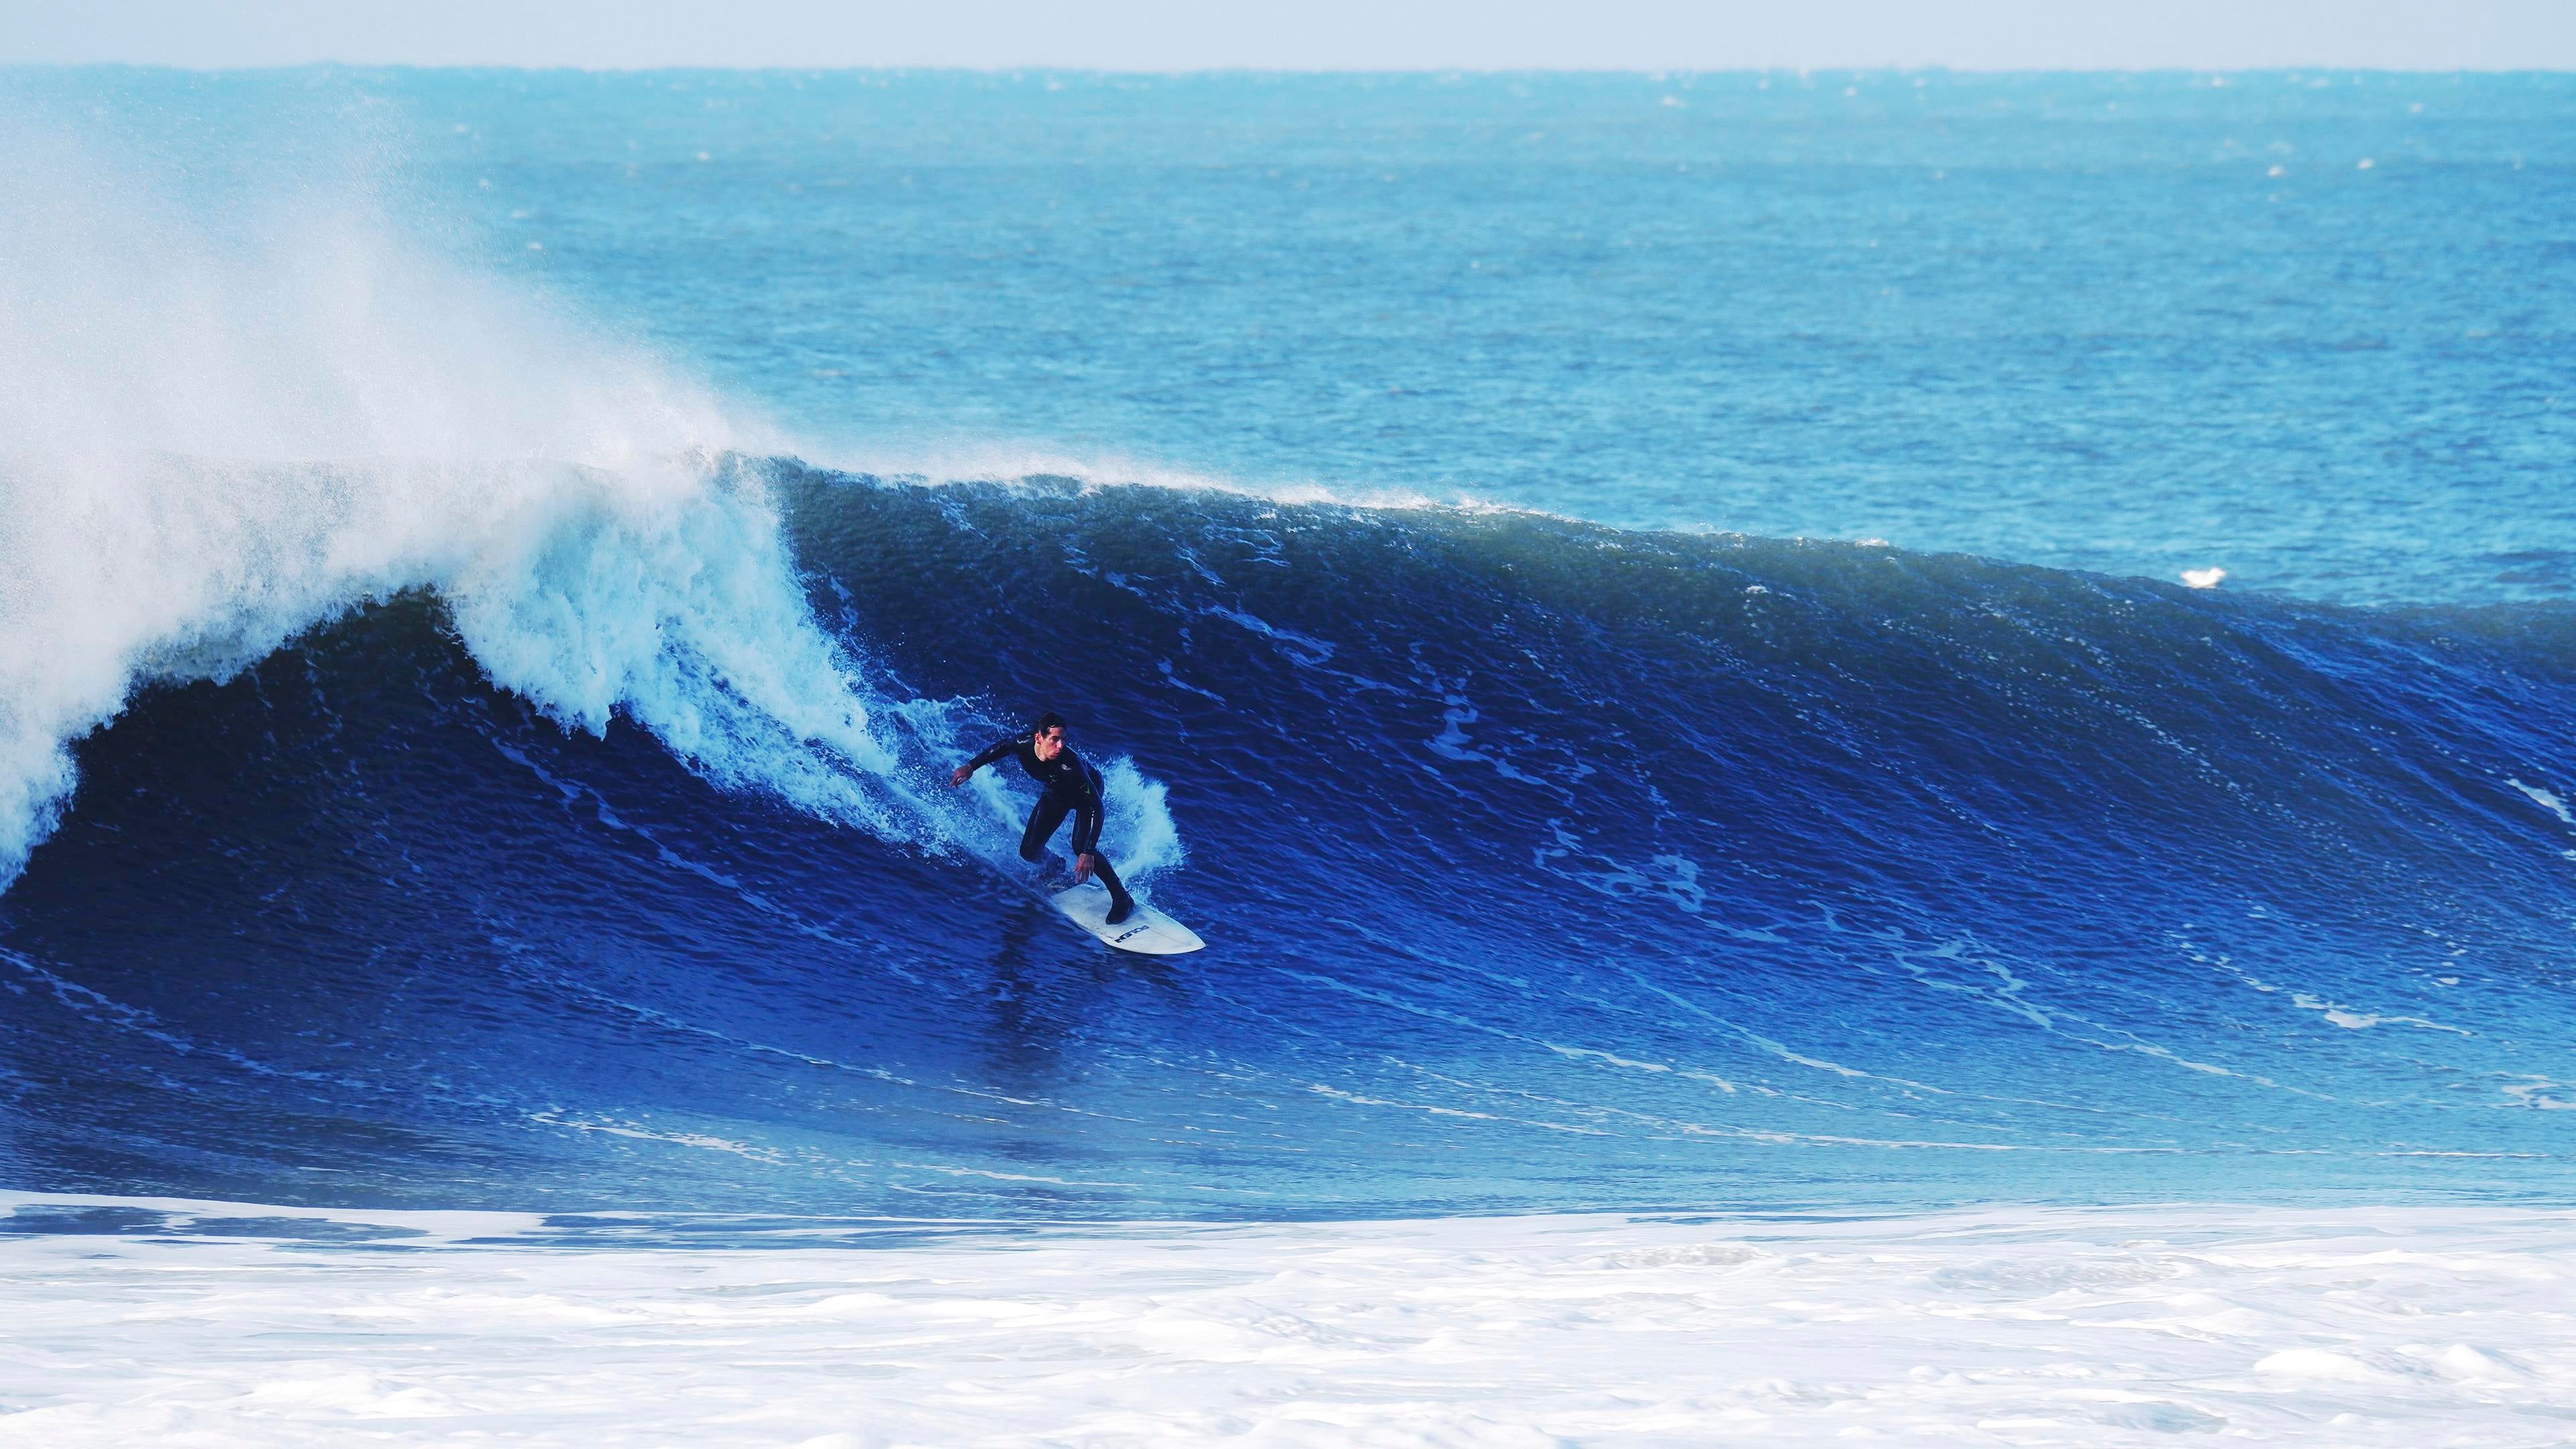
[993,753]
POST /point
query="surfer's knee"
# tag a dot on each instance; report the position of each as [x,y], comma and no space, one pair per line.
[1030,850]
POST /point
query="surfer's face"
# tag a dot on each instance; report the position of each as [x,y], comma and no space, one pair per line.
[1048,743]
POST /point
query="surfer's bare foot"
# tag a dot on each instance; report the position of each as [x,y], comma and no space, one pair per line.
[1121,908]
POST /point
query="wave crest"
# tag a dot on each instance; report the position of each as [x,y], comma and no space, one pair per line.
[215,437]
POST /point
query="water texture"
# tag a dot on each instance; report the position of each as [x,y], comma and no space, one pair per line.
[1640,617]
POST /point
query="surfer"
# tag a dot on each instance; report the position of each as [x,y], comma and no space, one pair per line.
[1071,788]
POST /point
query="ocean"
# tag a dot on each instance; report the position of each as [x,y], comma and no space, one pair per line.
[1719,655]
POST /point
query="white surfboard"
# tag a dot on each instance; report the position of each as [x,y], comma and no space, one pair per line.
[1148,931]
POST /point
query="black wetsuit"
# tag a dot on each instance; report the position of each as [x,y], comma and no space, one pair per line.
[1072,788]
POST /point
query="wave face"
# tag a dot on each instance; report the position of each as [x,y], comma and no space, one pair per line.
[1544,866]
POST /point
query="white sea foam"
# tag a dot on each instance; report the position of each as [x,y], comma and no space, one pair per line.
[2399,1327]
[226,419]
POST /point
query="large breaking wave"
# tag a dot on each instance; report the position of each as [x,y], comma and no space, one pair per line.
[448,758]
[215,435]
[1545,865]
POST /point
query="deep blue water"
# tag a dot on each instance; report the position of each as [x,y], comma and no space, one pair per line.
[1812,785]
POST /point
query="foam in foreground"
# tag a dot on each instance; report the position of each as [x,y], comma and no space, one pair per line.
[212,1324]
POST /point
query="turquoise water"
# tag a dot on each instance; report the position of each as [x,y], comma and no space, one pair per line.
[2132,324]
[2310,328]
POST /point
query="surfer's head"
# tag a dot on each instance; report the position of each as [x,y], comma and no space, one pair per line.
[1047,736]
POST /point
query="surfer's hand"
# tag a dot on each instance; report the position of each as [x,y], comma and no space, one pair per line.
[958,775]
[1082,867]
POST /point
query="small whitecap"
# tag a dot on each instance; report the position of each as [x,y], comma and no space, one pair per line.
[2203,578]
[536,246]
[1755,589]
[2278,171]
[2366,164]
[2549,800]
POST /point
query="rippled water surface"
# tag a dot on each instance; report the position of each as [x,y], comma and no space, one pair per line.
[1642,618]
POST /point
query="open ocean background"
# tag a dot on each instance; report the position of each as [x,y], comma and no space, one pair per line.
[1641,617]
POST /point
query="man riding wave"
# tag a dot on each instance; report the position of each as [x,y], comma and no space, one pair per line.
[1070,787]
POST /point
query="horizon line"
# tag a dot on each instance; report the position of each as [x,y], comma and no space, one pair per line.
[1175,72]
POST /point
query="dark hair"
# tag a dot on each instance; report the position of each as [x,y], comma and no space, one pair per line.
[1047,721]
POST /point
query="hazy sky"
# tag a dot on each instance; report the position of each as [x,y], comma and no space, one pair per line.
[1306,34]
